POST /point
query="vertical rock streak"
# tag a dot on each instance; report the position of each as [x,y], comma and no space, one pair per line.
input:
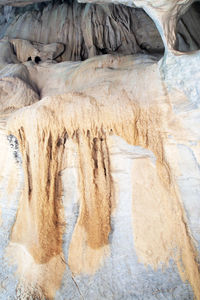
[42,157]
[86,30]
[170,237]
[96,189]
[90,125]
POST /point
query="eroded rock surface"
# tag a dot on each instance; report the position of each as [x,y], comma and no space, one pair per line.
[188,36]
[86,30]
[99,177]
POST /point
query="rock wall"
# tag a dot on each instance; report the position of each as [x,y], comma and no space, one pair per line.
[99,178]
[86,30]
[188,38]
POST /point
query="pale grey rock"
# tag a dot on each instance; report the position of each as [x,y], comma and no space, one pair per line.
[189,183]
[9,206]
[86,30]
[184,67]
[121,277]
[97,38]
[19,2]
[37,52]
[15,148]
[7,54]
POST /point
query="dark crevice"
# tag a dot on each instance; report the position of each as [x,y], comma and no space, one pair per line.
[188,30]
[37,59]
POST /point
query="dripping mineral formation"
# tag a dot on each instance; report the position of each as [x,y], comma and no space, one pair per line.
[100,150]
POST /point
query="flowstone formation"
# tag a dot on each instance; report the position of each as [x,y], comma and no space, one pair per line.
[100,150]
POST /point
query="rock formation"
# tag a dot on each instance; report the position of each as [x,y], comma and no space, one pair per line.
[99,137]
[85,30]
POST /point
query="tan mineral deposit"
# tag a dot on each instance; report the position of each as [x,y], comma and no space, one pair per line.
[100,150]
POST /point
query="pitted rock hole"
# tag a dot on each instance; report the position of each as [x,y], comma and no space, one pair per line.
[15,148]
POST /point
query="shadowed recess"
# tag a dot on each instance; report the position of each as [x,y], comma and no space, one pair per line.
[188,29]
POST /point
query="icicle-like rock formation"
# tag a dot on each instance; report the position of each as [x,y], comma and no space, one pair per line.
[86,30]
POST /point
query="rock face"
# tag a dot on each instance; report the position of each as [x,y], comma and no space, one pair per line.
[188,38]
[85,30]
[19,3]
[99,177]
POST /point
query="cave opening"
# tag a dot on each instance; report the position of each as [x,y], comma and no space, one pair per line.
[188,29]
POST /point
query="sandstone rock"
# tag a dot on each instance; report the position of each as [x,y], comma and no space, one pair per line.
[99,177]
[78,145]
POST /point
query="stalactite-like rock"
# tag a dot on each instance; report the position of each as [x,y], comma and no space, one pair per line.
[85,30]
[89,120]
